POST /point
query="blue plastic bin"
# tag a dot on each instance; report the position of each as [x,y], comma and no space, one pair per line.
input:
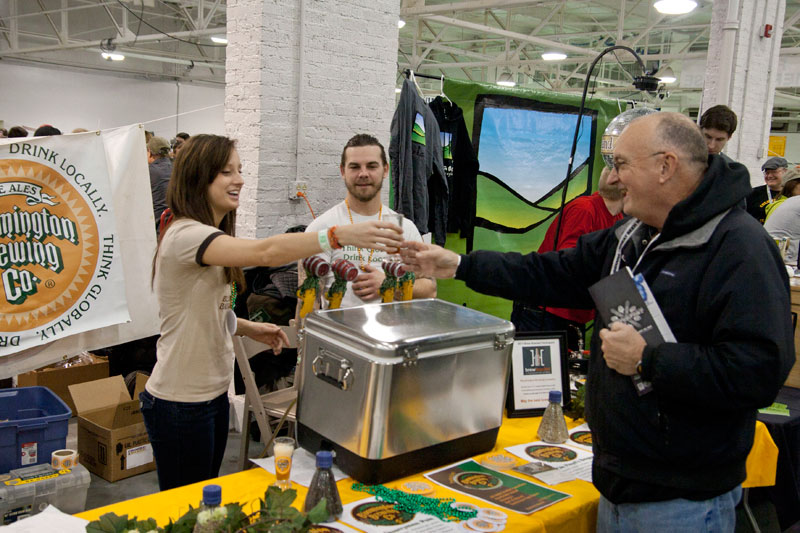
[33,424]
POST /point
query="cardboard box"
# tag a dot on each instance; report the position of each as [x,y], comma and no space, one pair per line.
[58,379]
[112,439]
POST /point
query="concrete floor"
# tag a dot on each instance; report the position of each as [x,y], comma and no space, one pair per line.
[102,493]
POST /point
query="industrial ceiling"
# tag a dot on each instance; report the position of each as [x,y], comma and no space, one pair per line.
[478,40]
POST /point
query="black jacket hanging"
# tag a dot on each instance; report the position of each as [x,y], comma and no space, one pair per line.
[415,151]
[460,167]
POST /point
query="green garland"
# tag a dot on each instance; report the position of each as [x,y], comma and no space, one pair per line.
[414,503]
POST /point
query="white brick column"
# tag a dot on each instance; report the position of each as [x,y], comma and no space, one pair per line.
[347,67]
[753,75]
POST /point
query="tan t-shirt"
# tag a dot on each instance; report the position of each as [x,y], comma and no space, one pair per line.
[195,351]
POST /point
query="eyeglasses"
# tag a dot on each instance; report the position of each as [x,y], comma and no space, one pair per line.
[618,165]
[770,171]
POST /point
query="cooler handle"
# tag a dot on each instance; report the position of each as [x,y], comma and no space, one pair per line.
[333,369]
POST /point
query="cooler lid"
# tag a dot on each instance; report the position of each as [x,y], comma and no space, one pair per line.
[416,322]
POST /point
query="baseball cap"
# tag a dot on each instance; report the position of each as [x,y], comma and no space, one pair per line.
[158,146]
[774,162]
[791,174]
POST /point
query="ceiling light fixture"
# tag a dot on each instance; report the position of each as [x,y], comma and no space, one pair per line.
[219,39]
[506,80]
[400,23]
[675,7]
[667,75]
[108,51]
[554,56]
[111,56]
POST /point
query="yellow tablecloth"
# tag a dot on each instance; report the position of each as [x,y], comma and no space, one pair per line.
[575,514]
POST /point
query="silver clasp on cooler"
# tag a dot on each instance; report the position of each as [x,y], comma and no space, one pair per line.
[410,355]
[501,341]
[336,370]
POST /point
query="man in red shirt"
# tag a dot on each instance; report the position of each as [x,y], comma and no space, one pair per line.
[582,215]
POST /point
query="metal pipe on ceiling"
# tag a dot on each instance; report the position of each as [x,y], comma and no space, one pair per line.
[117,41]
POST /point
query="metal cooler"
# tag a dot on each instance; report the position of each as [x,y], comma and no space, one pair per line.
[400,388]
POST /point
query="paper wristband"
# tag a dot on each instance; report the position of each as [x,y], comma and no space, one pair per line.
[61,459]
[322,237]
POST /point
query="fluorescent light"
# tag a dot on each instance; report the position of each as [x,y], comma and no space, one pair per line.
[219,39]
[506,80]
[554,56]
[112,56]
[675,7]
[667,75]
[397,90]
[401,23]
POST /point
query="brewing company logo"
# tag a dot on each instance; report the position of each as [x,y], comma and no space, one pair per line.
[323,529]
[551,454]
[380,514]
[536,360]
[582,437]
[477,480]
[60,268]
[283,464]
[49,245]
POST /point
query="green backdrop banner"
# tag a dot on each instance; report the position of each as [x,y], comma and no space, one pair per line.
[523,139]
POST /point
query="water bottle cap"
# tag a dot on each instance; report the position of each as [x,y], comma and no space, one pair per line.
[555,396]
[212,494]
[324,459]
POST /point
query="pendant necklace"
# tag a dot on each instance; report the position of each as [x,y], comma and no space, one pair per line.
[371,250]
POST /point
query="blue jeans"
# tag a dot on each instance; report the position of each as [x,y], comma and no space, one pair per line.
[188,438]
[717,515]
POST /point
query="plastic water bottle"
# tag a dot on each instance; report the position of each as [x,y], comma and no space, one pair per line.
[323,485]
[211,515]
[553,428]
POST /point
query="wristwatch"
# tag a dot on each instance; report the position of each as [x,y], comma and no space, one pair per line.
[639,368]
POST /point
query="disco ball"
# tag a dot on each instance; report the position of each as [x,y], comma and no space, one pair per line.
[614,129]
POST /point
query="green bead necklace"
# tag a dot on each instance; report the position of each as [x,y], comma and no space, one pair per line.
[414,503]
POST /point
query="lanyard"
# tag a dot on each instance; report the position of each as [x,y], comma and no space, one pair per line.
[623,241]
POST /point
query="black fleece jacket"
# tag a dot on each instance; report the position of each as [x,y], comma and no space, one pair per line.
[722,287]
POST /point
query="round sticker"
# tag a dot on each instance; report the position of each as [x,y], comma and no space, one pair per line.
[582,437]
[49,244]
[493,515]
[479,524]
[464,506]
[477,480]
[380,514]
[417,487]
[551,454]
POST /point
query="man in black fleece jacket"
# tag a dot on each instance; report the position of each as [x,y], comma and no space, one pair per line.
[673,458]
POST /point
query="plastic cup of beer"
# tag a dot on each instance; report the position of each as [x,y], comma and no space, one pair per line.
[282,448]
[397,219]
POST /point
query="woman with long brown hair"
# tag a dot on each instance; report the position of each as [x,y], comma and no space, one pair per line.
[196,276]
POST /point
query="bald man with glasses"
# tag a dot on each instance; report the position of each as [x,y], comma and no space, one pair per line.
[670,458]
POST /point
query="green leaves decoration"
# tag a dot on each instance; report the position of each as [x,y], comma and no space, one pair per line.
[275,515]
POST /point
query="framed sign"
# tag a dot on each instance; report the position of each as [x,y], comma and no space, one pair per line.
[538,365]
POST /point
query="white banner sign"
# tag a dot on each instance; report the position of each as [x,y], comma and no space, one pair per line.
[60,263]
